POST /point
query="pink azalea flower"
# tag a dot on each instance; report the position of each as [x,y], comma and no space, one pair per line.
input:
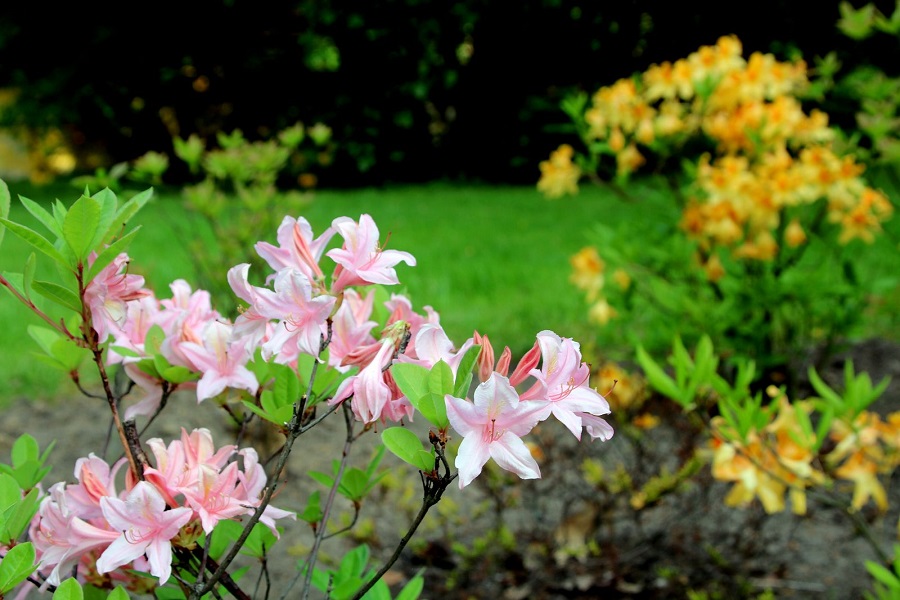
[95,480]
[296,248]
[147,529]
[212,495]
[492,427]
[221,361]
[369,390]
[140,316]
[433,345]
[360,260]
[301,317]
[351,329]
[109,292]
[250,323]
[61,538]
[251,487]
[152,388]
[184,319]
[562,387]
[401,310]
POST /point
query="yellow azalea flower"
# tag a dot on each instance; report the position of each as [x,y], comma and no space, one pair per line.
[645,421]
[559,175]
[713,268]
[616,140]
[794,234]
[628,160]
[749,467]
[864,219]
[628,391]
[587,271]
[622,278]
[862,472]
[601,312]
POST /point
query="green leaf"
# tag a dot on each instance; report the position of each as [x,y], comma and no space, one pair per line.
[856,24]
[69,589]
[69,354]
[4,206]
[313,511]
[440,379]
[154,339]
[468,362]
[262,413]
[825,392]
[44,337]
[10,490]
[411,379]
[178,374]
[407,447]
[286,390]
[19,519]
[28,274]
[323,478]
[109,254]
[413,588]
[434,408]
[354,563]
[16,566]
[658,379]
[109,204]
[80,226]
[37,241]
[883,575]
[128,210]
[25,448]
[59,294]
[17,281]
[41,214]
[118,594]
[59,215]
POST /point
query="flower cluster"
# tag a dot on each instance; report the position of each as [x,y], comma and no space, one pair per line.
[772,459]
[769,158]
[589,275]
[866,447]
[493,424]
[780,455]
[303,308]
[193,486]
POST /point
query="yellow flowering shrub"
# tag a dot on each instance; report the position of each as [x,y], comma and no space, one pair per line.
[767,155]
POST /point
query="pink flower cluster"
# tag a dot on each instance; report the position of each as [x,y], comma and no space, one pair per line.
[284,321]
[192,487]
[290,316]
[493,425]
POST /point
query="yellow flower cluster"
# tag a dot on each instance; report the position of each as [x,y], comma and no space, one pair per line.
[588,275]
[779,458]
[559,175]
[771,461]
[769,155]
[868,446]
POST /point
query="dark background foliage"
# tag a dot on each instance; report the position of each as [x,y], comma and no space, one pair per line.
[414,90]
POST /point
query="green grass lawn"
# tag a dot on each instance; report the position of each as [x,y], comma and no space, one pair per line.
[493,259]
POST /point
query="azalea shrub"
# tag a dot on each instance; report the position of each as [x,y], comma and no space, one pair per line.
[763,241]
[318,336]
[778,451]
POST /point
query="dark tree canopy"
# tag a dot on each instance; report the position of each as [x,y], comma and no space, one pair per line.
[413,89]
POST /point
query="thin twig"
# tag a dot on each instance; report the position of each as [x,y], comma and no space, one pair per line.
[329,503]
